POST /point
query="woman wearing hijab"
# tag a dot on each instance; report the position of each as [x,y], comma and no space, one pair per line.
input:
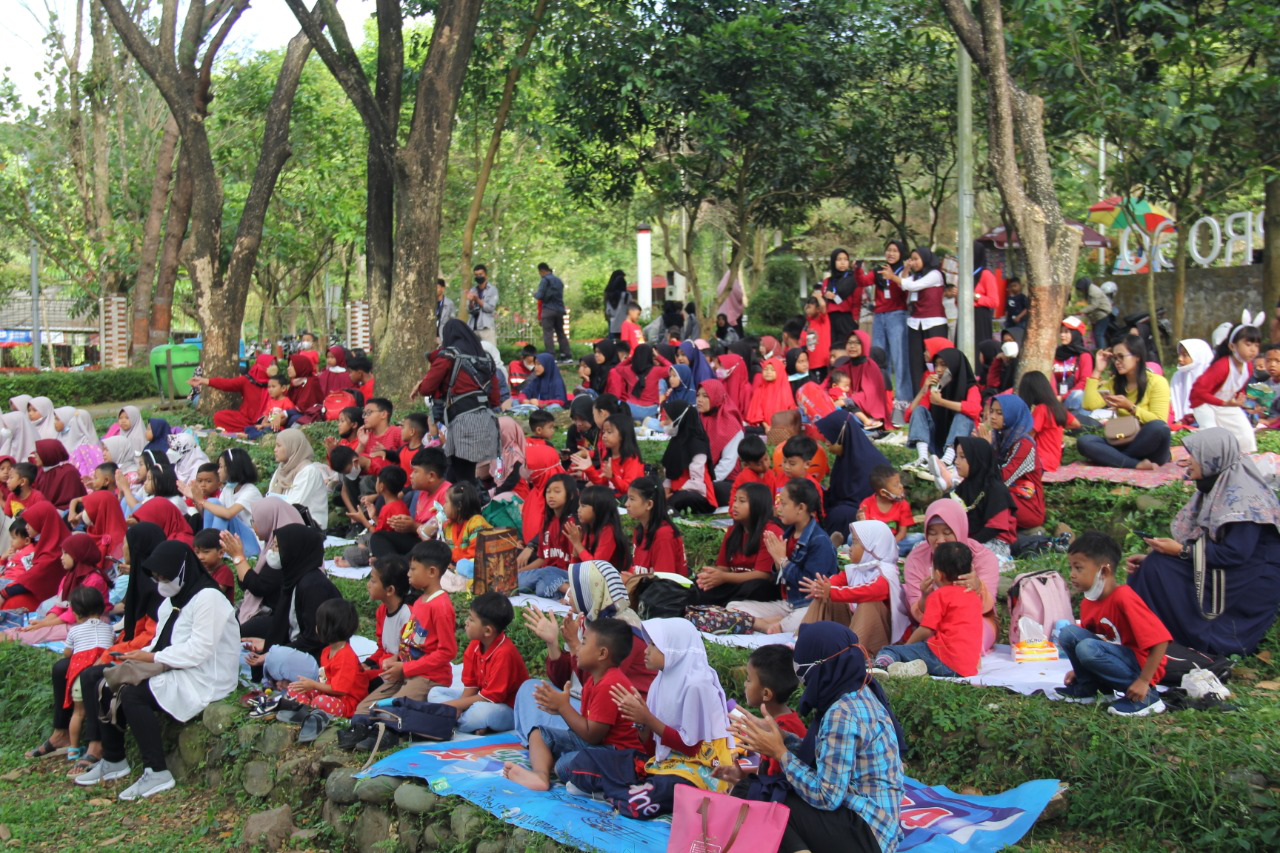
[252,388]
[845,776]
[58,479]
[40,581]
[945,521]
[770,393]
[290,649]
[185,455]
[199,643]
[866,386]
[165,515]
[687,463]
[842,289]
[697,363]
[335,378]
[1072,366]
[867,595]
[1216,583]
[733,303]
[80,437]
[853,455]
[947,407]
[639,377]
[889,322]
[615,301]
[799,372]
[545,388]
[722,422]
[260,581]
[1194,358]
[297,479]
[924,285]
[104,521]
[678,385]
[1014,442]
[990,507]
[116,449]
[606,355]
[40,411]
[157,432]
[1003,369]
[304,386]
[471,425]
[733,370]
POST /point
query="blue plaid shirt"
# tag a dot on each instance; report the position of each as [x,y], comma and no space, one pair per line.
[858,766]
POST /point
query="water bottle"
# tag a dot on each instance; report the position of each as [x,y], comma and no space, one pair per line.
[1057,630]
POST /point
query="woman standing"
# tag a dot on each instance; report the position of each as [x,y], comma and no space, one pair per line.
[843,294]
[889,323]
[615,302]
[924,285]
[470,394]
[1216,584]
[1135,390]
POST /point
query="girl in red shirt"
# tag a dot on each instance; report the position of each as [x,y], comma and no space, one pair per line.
[621,463]
[342,681]
[657,544]
[597,534]
[744,570]
[543,564]
[1049,417]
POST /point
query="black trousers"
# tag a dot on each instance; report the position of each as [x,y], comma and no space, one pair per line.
[385,542]
[143,715]
[839,831]
[89,681]
[553,330]
[760,589]
[257,626]
[915,351]
[982,324]
[461,469]
[684,499]
[61,715]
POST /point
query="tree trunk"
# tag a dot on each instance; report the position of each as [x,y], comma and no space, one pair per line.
[380,180]
[420,197]
[148,255]
[1271,255]
[179,218]
[495,140]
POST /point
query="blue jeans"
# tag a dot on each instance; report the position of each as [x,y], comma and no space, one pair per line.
[528,716]
[908,542]
[1075,404]
[565,746]
[921,429]
[1098,665]
[889,332]
[1151,442]
[236,525]
[287,664]
[544,582]
[639,413]
[482,715]
[917,651]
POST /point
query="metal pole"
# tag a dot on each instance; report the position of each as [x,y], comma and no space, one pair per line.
[1102,192]
[35,306]
[964,231]
[644,269]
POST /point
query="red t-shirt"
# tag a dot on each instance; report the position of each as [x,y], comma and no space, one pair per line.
[818,343]
[746,475]
[790,723]
[430,640]
[622,473]
[602,546]
[898,517]
[406,457]
[664,554]
[497,673]
[598,707]
[1048,438]
[760,561]
[366,389]
[343,672]
[954,614]
[1125,619]
[632,334]
[390,508]
[223,577]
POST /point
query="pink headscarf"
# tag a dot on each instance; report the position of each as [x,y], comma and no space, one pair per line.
[738,380]
[919,564]
[732,306]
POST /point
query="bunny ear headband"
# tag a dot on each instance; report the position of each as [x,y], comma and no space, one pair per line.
[1245,320]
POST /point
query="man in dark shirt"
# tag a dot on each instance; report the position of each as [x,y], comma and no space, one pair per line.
[550,296]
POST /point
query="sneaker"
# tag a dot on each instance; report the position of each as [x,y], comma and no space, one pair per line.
[265,708]
[350,737]
[1076,695]
[103,771]
[943,476]
[150,783]
[915,465]
[908,669]
[1126,707]
[390,740]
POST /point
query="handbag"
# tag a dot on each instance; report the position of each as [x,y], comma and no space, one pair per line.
[495,563]
[131,672]
[1121,431]
[705,821]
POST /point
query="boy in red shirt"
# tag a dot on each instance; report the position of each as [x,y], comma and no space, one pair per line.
[208,548]
[492,670]
[752,453]
[1120,643]
[771,679]
[948,642]
[413,431]
[889,504]
[522,368]
[817,338]
[360,369]
[390,486]
[377,441]
[631,331]
[606,644]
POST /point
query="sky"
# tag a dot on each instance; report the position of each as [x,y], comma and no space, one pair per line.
[265,25]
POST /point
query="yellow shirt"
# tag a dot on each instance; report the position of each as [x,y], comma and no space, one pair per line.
[1154,405]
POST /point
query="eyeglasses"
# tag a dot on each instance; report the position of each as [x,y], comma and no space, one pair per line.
[802,669]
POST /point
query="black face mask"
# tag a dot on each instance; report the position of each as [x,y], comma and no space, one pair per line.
[479,279]
[1206,483]
[1261,376]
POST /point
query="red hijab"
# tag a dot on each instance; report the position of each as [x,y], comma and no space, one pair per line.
[258,373]
[738,382]
[542,462]
[107,525]
[723,422]
[769,397]
[162,513]
[308,392]
[335,380]
[866,386]
[42,579]
[58,480]
[88,562]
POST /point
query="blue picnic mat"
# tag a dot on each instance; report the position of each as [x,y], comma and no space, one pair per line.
[934,819]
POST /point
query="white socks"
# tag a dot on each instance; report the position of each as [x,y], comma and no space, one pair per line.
[922,448]
[950,456]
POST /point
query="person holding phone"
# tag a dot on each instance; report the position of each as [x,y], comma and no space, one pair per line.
[889,322]
[1133,390]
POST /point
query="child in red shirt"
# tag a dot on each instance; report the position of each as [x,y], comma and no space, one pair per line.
[949,639]
[342,681]
[390,486]
[21,548]
[1120,643]
[657,546]
[631,332]
[771,679]
[597,533]
[492,669]
[889,504]
[817,328]
[208,548]
[606,644]
[752,453]
[543,565]
[744,568]
[522,368]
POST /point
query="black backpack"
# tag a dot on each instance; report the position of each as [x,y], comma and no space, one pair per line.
[1179,660]
[480,368]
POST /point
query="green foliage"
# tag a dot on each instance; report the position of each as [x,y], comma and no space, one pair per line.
[779,300]
[85,388]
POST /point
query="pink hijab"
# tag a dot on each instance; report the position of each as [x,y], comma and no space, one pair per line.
[730,289]
[919,563]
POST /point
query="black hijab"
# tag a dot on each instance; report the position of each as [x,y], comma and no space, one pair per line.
[956,390]
[173,560]
[793,356]
[607,349]
[979,258]
[301,551]
[881,358]
[1009,367]
[690,439]
[1066,352]
[672,315]
[841,282]
[141,598]
[929,261]
[983,491]
[641,364]
[616,288]
[456,335]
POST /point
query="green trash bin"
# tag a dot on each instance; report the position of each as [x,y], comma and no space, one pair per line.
[178,361]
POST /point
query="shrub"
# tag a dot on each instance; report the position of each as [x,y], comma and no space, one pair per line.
[779,300]
[80,388]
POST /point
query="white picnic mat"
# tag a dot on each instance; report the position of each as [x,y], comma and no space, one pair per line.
[354,573]
[999,669]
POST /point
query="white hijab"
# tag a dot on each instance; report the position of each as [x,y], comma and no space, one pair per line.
[880,560]
[186,455]
[686,694]
[78,428]
[21,434]
[45,427]
[1180,385]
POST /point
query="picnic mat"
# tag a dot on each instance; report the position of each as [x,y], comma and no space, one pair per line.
[1162,476]
[998,669]
[354,573]
[934,819]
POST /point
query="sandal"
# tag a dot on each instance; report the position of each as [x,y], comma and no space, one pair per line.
[83,765]
[44,749]
[74,753]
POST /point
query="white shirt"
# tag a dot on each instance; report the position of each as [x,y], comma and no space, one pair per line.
[913,285]
[246,496]
[203,655]
[308,489]
[393,627]
[728,459]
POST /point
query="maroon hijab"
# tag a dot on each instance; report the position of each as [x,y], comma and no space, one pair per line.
[58,480]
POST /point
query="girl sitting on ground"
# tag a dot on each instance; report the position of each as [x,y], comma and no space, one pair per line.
[544,563]
[657,544]
[342,682]
[986,498]
[597,532]
[744,569]
[621,463]
[464,521]
[687,461]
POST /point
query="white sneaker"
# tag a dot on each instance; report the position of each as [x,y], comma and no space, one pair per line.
[103,771]
[915,465]
[150,783]
[908,669]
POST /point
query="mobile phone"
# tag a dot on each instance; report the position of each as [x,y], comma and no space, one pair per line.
[1142,534]
[116,654]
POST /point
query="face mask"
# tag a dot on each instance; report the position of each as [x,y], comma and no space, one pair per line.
[353,474]
[479,279]
[173,455]
[1010,349]
[669,429]
[170,588]
[722,373]
[1094,592]
[273,559]
[304,345]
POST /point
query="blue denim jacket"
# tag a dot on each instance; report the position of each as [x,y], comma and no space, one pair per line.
[814,556]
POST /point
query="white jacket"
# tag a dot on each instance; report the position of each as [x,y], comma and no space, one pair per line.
[203,655]
[308,489]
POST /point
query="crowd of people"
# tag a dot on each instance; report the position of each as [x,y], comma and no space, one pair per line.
[166,574]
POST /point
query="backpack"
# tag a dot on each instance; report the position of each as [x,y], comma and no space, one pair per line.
[335,402]
[814,402]
[658,598]
[481,369]
[1180,660]
[1041,596]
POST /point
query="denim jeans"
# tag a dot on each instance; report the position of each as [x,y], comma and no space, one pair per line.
[1151,442]
[236,525]
[286,664]
[639,413]
[889,332]
[921,429]
[1098,665]
[482,715]
[565,744]
[528,716]
[917,651]
[544,582]
[908,542]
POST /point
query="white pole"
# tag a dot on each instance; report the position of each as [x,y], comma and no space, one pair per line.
[35,306]
[1102,192]
[644,269]
[964,232]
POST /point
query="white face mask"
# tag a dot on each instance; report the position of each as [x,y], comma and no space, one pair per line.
[353,474]
[1010,349]
[722,372]
[1094,592]
[170,588]
[669,429]
[174,456]
[273,559]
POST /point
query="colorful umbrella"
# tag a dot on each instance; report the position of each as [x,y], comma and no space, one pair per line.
[998,237]
[1118,212]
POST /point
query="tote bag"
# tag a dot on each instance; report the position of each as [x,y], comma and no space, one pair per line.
[707,822]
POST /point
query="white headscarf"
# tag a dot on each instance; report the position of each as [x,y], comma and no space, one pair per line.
[45,427]
[78,428]
[686,695]
[1180,385]
[880,560]
[122,453]
[186,455]
[136,435]
[22,434]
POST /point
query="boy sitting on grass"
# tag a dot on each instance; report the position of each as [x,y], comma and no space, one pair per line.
[1120,643]
[606,645]
[948,642]
[492,670]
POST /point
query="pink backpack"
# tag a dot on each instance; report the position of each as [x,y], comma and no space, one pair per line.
[1041,596]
